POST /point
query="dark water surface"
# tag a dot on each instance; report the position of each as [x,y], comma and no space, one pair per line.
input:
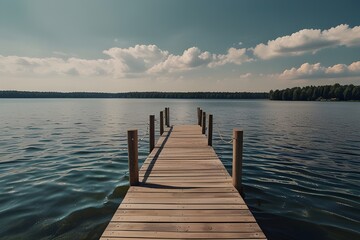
[63,163]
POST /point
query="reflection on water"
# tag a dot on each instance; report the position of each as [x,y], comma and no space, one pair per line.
[63,163]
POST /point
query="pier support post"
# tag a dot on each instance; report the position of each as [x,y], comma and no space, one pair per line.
[210,130]
[237,160]
[133,157]
[167,117]
[201,114]
[203,130]
[168,123]
[151,133]
[198,116]
[161,122]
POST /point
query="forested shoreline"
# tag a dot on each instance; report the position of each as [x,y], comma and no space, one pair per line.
[334,92]
[189,95]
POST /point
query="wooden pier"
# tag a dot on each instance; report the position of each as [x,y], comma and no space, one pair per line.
[182,191]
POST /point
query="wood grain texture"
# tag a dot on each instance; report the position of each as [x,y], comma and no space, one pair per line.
[184,192]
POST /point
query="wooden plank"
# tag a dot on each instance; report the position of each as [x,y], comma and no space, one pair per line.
[184,190]
[186,180]
[178,227]
[182,212]
[183,167]
[196,235]
[181,206]
[186,177]
[183,161]
[152,238]
[149,238]
[185,174]
[183,200]
[186,219]
[189,185]
[167,165]
[183,194]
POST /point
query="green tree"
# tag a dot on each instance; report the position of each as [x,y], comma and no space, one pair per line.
[315,94]
[303,94]
[356,93]
[338,93]
[296,94]
[277,95]
[348,92]
[286,94]
[309,93]
[325,92]
[271,95]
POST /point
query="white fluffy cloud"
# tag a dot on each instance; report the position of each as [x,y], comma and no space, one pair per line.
[136,59]
[122,62]
[50,66]
[234,56]
[309,41]
[191,58]
[310,71]
[194,57]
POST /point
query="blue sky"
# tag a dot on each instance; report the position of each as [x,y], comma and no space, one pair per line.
[165,45]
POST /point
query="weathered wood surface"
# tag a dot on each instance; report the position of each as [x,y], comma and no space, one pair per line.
[185,192]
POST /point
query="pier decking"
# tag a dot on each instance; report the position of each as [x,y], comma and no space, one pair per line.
[184,192]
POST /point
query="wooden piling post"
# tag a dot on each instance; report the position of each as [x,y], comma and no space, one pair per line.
[168,124]
[198,116]
[201,114]
[210,130]
[237,160]
[166,116]
[151,133]
[161,122]
[203,123]
[133,157]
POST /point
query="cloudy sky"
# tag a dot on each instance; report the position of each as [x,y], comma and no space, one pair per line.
[173,45]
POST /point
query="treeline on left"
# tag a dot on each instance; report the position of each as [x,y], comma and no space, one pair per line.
[191,95]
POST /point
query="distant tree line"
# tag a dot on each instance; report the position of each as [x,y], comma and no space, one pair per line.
[334,92]
[190,95]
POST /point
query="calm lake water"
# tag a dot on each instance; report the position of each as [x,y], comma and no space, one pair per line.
[63,163]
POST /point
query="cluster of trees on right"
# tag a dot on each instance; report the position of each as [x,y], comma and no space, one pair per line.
[334,92]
